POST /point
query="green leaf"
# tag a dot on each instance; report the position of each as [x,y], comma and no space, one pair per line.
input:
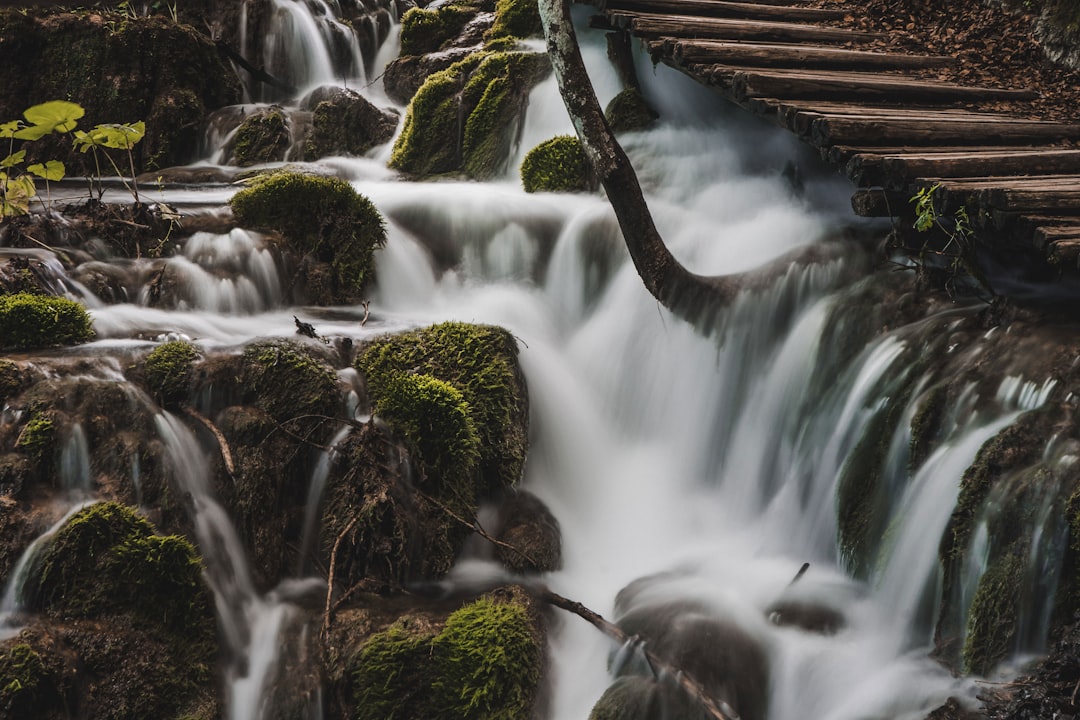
[120,137]
[8,129]
[13,159]
[59,115]
[52,170]
[34,132]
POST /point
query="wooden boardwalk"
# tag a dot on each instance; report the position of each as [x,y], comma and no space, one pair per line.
[874,115]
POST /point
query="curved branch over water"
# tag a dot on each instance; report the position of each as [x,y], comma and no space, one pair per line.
[683,292]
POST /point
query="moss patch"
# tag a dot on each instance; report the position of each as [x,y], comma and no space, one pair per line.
[168,369]
[285,380]
[321,218]
[262,138]
[26,685]
[557,165]
[426,31]
[992,621]
[29,321]
[481,362]
[516,19]
[629,112]
[10,380]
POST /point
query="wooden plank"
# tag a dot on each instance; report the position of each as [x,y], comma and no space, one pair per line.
[723,9]
[721,29]
[803,122]
[861,87]
[902,169]
[1065,252]
[788,55]
[876,202]
[851,130]
[1026,199]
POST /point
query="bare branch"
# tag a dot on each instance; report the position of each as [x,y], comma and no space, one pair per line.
[223,445]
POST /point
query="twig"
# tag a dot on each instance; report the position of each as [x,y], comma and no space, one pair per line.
[798,575]
[476,527]
[367,312]
[223,445]
[330,575]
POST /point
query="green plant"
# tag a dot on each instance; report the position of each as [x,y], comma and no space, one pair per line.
[29,321]
[956,250]
[115,136]
[17,189]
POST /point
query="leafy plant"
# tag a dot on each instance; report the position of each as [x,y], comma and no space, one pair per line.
[958,236]
[17,188]
[115,136]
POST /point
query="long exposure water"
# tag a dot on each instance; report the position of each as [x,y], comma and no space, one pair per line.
[709,454]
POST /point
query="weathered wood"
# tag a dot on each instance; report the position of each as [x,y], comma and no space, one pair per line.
[721,29]
[851,130]
[724,9]
[805,124]
[897,171]
[879,203]
[800,56]
[840,155]
[1065,252]
[862,87]
[1047,197]
[1046,236]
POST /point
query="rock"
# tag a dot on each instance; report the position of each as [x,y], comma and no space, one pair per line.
[629,112]
[30,321]
[346,123]
[405,75]
[558,165]
[525,523]
[262,137]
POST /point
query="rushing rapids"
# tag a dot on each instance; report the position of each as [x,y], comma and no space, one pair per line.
[836,418]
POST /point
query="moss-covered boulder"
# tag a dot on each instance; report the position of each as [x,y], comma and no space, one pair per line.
[629,112]
[145,68]
[426,30]
[516,19]
[29,321]
[262,137]
[138,613]
[168,371]
[344,122]
[481,362]
[530,535]
[287,380]
[485,662]
[465,119]
[30,687]
[10,380]
[333,228]
[558,165]
[993,616]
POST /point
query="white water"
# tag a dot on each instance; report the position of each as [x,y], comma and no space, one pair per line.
[659,447]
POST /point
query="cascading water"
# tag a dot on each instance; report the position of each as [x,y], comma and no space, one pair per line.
[709,455]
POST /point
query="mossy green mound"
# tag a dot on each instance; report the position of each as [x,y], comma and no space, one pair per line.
[262,138]
[30,321]
[287,381]
[426,30]
[465,118]
[992,618]
[433,416]
[168,370]
[629,111]
[516,19]
[481,362]
[27,687]
[485,663]
[557,165]
[37,436]
[319,217]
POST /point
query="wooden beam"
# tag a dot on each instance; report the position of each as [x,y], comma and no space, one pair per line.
[800,56]
[723,9]
[862,87]
[939,130]
[897,171]
[876,202]
[721,29]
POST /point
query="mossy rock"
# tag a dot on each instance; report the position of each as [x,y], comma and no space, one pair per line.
[37,437]
[558,165]
[426,30]
[465,118]
[29,321]
[11,381]
[263,137]
[29,688]
[485,663]
[642,698]
[168,371]
[346,123]
[630,112]
[516,19]
[993,617]
[286,380]
[321,218]
[147,68]
[433,417]
[530,536]
[481,362]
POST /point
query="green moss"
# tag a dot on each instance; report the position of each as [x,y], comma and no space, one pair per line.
[37,436]
[926,425]
[516,18]
[481,362]
[992,619]
[320,217]
[628,112]
[10,380]
[29,321]
[433,416]
[261,138]
[490,661]
[485,663]
[23,681]
[168,370]
[425,31]
[391,678]
[557,165]
[464,118]
[285,380]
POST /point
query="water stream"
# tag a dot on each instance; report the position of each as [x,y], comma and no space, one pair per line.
[712,454]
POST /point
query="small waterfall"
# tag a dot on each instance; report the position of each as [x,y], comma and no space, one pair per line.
[315,496]
[306,46]
[75,462]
